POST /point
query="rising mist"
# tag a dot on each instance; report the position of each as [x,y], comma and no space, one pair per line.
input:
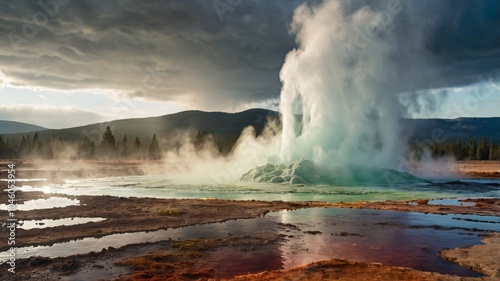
[346,80]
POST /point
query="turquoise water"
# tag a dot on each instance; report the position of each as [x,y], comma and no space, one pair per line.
[172,187]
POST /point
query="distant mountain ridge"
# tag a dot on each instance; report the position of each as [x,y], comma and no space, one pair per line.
[221,123]
[12,127]
[463,128]
[167,125]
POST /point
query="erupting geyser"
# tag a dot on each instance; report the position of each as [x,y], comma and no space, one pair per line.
[340,99]
[347,85]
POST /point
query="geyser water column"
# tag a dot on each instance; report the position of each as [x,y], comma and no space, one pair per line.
[341,85]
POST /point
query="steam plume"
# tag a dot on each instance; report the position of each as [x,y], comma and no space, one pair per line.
[346,81]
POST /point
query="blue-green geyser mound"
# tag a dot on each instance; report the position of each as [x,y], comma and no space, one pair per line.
[307,172]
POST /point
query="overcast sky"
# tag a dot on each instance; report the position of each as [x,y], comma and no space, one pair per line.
[68,62]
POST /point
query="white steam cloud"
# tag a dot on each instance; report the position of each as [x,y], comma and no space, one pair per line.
[206,165]
[346,79]
[352,77]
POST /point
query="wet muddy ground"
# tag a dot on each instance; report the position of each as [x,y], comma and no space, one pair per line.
[202,257]
[214,257]
[131,215]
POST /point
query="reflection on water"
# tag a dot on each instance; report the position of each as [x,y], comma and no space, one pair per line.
[24,180]
[394,238]
[451,202]
[38,204]
[30,224]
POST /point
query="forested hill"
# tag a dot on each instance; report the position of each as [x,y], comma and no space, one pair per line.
[463,128]
[233,123]
[166,126]
[11,127]
[464,138]
[221,123]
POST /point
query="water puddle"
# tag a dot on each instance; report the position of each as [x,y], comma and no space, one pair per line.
[393,238]
[26,180]
[38,204]
[31,224]
[451,202]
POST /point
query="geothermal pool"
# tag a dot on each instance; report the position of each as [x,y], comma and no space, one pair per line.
[173,186]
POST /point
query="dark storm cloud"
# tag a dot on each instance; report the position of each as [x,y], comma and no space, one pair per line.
[443,43]
[175,50]
[465,38]
[182,51]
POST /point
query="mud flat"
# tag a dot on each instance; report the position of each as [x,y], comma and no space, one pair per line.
[132,215]
[345,270]
[478,169]
[195,258]
[484,258]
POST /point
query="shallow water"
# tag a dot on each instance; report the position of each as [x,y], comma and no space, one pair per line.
[38,204]
[168,186]
[451,202]
[394,238]
[31,224]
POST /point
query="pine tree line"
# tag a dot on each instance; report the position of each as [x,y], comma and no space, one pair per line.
[470,150]
[55,148]
[110,148]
